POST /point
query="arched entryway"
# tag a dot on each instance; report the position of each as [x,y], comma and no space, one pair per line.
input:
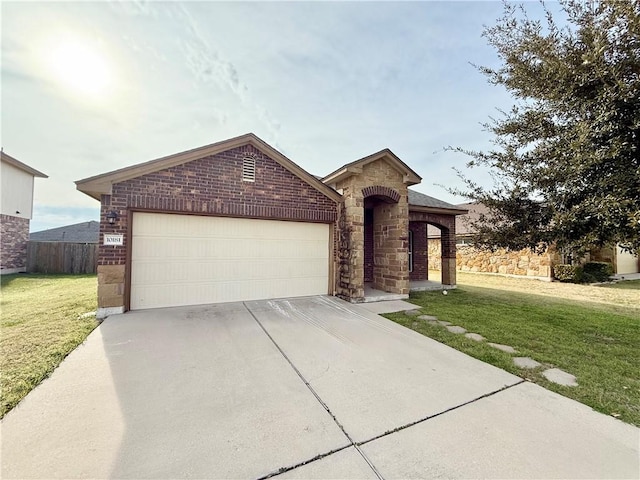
[420,234]
[382,234]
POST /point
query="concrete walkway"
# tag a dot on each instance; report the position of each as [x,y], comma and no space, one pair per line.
[300,388]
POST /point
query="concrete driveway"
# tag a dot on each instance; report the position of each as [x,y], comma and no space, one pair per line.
[301,388]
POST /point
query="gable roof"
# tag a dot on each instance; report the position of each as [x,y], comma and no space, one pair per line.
[85,232]
[22,166]
[475,209]
[101,184]
[463,222]
[425,202]
[410,177]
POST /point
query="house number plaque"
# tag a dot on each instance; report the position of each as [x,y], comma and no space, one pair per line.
[113,239]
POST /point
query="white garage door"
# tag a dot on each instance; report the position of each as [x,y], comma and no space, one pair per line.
[191,260]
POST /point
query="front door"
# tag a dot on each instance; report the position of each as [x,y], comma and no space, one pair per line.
[368,245]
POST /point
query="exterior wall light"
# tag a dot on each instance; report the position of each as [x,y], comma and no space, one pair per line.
[112,216]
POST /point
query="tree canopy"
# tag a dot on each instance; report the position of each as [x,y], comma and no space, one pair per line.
[565,159]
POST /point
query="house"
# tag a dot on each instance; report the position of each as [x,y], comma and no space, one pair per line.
[525,262]
[501,261]
[237,220]
[85,232]
[16,212]
[624,263]
[521,262]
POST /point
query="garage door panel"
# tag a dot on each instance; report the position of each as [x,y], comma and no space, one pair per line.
[214,292]
[229,270]
[189,260]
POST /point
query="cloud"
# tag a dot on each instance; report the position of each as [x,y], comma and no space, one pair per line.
[45,217]
[325,83]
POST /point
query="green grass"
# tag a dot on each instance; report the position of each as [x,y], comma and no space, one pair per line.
[40,325]
[599,343]
[624,285]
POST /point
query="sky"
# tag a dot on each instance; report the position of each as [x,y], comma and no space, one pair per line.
[90,87]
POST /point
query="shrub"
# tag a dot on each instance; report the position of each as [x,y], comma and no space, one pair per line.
[599,271]
[590,272]
[567,273]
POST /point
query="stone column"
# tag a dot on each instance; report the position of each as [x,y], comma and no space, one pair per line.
[448,256]
[391,225]
[352,245]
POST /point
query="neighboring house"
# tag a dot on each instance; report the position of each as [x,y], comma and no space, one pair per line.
[624,263]
[522,262]
[85,232]
[237,220]
[16,211]
[502,261]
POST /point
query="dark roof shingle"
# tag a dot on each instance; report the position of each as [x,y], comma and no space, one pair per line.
[421,200]
[85,232]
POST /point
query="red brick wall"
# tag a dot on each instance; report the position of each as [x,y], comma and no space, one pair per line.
[213,186]
[14,234]
[446,223]
[420,257]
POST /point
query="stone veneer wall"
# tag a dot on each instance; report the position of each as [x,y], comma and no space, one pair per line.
[433,254]
[213,186]
[391,241]
[522,262]
[14,235]
[390,231]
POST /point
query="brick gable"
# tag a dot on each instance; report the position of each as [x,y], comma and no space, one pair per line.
[213,185]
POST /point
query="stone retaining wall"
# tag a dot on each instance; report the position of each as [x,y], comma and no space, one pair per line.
[523,262]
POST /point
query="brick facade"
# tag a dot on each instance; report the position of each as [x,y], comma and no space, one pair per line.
[420,253]
[211,185]
[14,235]
[369,211]
[447,226]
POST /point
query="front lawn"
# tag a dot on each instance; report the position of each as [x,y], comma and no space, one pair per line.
[597,340]
[624,285]
[41,324]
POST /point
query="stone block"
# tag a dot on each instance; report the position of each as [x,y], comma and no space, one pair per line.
[105,301]
[456,329]
[560,377]
[525,362]
[475,337]
[504,348]
[108,274]
[111,289]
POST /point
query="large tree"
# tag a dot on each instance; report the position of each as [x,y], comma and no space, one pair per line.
[566,159]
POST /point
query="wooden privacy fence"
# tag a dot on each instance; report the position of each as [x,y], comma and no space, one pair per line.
[61,257]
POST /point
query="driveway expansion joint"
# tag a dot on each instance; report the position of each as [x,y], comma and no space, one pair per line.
[282,470]
[429,417]
[324,405]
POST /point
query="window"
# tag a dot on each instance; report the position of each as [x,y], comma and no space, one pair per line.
[248,169]
[464,241]
[410,251]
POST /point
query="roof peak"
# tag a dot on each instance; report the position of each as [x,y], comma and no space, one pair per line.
[22,166]
[353,168]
